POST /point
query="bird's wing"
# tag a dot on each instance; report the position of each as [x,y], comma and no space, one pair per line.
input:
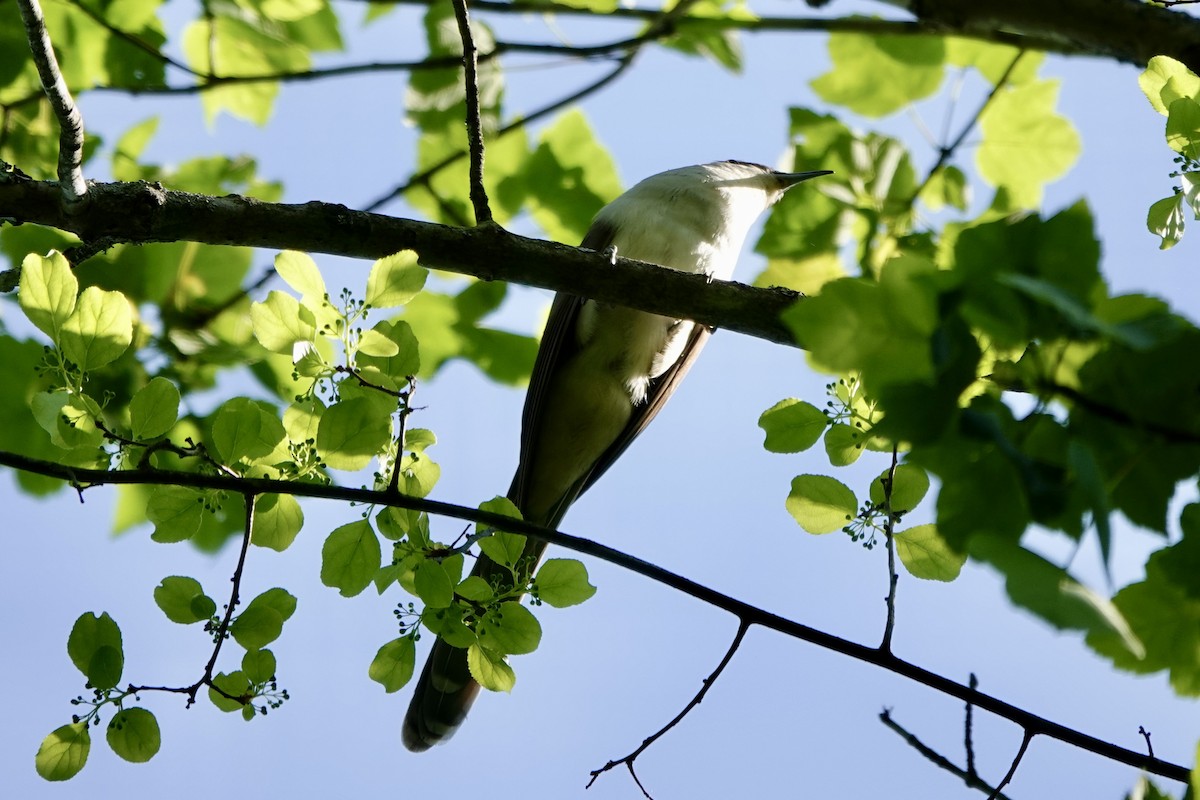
[446,690]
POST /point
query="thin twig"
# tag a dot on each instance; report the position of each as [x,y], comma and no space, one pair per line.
[1012,770]
[1146,735]
[423,177]
[70,121]
[968,732]
[947,151]
[743,626]
[479,199]
[889,533]
[750,614]
[133,40]
[968,777]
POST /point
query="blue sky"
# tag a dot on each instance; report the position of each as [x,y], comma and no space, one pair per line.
[787,718]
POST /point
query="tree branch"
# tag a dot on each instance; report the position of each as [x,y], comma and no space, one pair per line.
[141,213]
[470,60]
[747,613]
[1012,770]
[743,626]
[967,776]
[70,121]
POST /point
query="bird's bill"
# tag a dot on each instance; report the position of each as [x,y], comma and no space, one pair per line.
[790,179]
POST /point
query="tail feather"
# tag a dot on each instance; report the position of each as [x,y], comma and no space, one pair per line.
[443,697]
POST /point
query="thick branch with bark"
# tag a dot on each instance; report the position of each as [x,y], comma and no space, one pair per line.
[141,213]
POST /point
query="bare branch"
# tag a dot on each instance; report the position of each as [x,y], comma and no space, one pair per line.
[745,612]
[743,626]
[423,177]
[968,776]
[968,732]
[1012,770]
[889,533]
[1146,735]
[70,121]
[479,199]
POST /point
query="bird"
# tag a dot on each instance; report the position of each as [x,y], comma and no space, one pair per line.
[603,372]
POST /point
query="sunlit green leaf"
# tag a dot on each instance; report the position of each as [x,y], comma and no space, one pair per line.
[64,752]
[393,664]
[95,649]
[926,555]
[133,735]
[821,504]
[879,75]
[489,669]
[350,557]
[183,600]
[154,409]
[792,426]
[280,321]
[277,521]
[99,330]
[176,512]
[48,291]
[394,280]
[563,582]
[351,433]
[1026,143]
[511,629]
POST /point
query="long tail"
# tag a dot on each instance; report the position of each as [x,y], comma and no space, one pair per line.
[446,690]
[442,699]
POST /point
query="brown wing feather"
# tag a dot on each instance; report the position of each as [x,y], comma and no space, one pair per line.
[445,690]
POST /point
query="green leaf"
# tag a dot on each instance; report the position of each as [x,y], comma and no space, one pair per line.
[176,512]
[1183,127]
[300,272]
[947,187]
[563,582]
[154,409]
[95,649]
[882,329]
[64,752]
[1049,592]
[925,554]
[821,504]
[256,627]
[880,75]
[183,600]
[792,426]
[404,360]
[280,321]
[133,735]
[350,558]
[475,588]
[277,521]
[259,666]
[47,294]
[244,429]
[843,444]
[283,603]
[99,330]
[1165,80]
[511,629]
[434,585]
[1026,144]
[570,177]
[393,664]
[908,488]
[235,684]
[351,433]
[489,670]
[395,280]
[374,343]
